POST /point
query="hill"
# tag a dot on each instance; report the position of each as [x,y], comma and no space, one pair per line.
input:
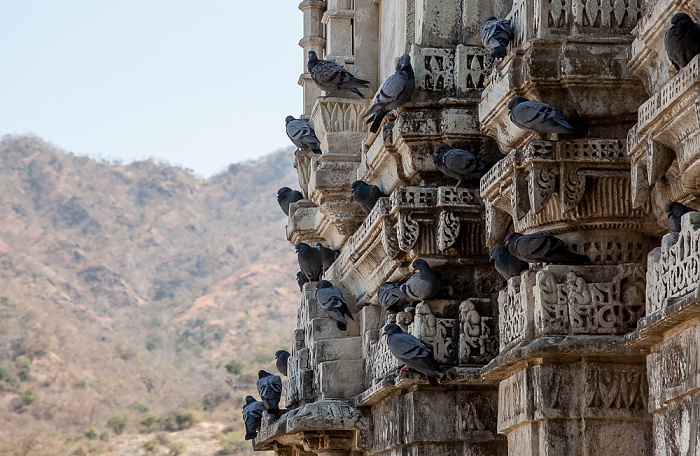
[129,290]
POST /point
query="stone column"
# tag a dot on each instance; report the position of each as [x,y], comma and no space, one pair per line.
[312,41]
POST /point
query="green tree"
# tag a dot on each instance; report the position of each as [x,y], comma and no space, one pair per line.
[234,367]
[92,433]
[28,397]
[152,446]
[118,422]
[150,420]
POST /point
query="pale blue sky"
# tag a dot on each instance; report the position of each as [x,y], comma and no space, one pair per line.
[200,84]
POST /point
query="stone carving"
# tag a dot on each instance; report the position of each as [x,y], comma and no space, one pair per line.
[389,240]
[424,323]
[407,230]
[541,180]
[511,315]
[439,70]
[379,360]
[470,418]
[448,229]
[339,116]
[477,341]
[616,387]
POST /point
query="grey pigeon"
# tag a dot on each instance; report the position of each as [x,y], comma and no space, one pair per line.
[302,134]
[252,416]
[496,34]
[537,117]
[424,285]
[328,256]
[395,92]
[287,196]
[281,359]
[410,350]
[330,76]
[310,261]
[542,248]
[458,163]
[366,195]
[391,297]
[331,300]
[682,40]
[301,280]
[506,264]
[270,390]
[675,211]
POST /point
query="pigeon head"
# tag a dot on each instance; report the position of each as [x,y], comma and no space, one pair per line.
[263,374]
[441,148]
[279,353]
[512,237]
[491,18]
[677,209]
[405,60]
[391,328]
[357,185]
[301,276]
[420,265]
[497,251]
[515,101]
[312,56]
[324,284]
[249,400]
[679,18]
[319,245]
[283,190]
[288,119]
[301,247]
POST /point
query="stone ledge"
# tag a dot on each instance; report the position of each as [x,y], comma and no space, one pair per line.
[652,328]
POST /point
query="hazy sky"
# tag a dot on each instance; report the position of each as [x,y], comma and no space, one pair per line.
[200,84]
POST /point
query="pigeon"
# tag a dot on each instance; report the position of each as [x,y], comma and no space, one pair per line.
[310,261]
[252,416]
[542,248]
[270,390]
[537,117]
[301,280]
[675,211]
[506,264]
[331,300]
[328,256]
[302,134]
[281,359]
[458,163]
[496,34]
[395,92]
[391,297]
[330,76]
[410,350]
[366,195]
[424,285]
[287,196]
[682,40]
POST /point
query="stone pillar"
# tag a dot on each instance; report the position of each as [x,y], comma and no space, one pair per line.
[312,41]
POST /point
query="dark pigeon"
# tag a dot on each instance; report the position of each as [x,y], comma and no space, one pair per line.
[331,300]
[391,297]
[542,248]
[330,76]
[310,261]
[496,34]
[252,416]
[675,211]
[270,390]
[328,256]
[301,280]
[424,285]
[682,40]
[281,359]
[506,264]
[302,134]
[287,196]
[366,195]
[458,163]
[411,351]
[537,117]
[394,93]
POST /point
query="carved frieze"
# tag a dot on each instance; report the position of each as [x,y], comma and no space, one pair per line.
[478,335]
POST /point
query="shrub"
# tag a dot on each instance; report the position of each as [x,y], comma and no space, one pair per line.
[152,446]
[80,384]
[118,422]
[149,421]
[28,396]
[231,443]
[181,419]
[92,433]
[234,367]
[177,448]
[139,407]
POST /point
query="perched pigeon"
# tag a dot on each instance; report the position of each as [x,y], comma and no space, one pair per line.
[281,358]
[506,264]
[396,90]
[331,300]
[328,256]
[682,40]
[301,280]
[424,285]
[675,211]
[496,34]
[537,117]
[366,195]
[302,134]
[411,351]
[270,390]
[542,248]
[287,196]
[330,76]
[310,261]
[252,416]
[391,297]
[458,163]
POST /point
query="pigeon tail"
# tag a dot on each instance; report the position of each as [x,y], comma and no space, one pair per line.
[376,121]
[315,149]
[251,435]
[341,326]
[500,51]
[433,381]
[569,258]
[358,92]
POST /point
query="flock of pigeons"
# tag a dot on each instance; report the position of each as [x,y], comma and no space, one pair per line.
[682,42]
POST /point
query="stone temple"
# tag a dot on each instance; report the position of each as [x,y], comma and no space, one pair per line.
[600,359]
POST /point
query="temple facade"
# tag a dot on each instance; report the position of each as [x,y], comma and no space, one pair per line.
[598,359]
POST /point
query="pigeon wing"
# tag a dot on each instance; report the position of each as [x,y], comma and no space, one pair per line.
[411,351]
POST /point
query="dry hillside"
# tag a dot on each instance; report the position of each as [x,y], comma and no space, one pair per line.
[136,291]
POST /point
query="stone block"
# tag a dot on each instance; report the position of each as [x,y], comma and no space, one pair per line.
[340,379]
[347,349]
